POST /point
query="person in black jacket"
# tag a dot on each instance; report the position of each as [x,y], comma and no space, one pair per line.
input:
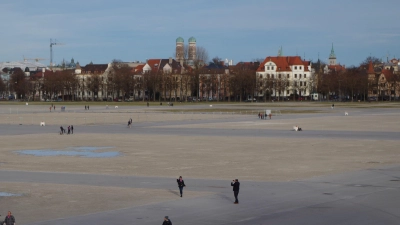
[181,184]
[166,221]
[9,220]
[235,183]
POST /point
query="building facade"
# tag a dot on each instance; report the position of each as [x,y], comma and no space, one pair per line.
[284,76]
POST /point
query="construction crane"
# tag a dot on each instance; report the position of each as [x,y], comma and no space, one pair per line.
[51,51]
[35,59]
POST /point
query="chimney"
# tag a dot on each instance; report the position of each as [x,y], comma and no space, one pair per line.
[170,60]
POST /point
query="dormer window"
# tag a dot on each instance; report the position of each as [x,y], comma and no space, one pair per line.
[272,68]
[295,67]
[300,67]
[267,67]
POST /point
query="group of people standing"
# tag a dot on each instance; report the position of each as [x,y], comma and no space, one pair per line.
[86,107]
[70,130]
[9,220]
[264,116]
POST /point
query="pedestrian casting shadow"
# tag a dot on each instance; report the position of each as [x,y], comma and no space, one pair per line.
[174,192]
[226,198]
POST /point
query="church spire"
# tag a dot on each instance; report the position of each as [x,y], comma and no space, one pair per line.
[332,55]
[280,52]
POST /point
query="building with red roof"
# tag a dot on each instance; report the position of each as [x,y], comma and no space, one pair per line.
[284,76]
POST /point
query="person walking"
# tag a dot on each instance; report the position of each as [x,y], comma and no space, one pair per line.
[54,107]
[167,221]
[85,107]
[9,220]
[235,183]
[62,130]
[69,129]
[72,129]
[181,184]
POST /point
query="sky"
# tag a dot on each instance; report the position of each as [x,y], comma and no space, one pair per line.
[99,31]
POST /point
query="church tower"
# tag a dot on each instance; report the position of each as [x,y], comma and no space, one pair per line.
[179,51]
[332,57]
[192,48]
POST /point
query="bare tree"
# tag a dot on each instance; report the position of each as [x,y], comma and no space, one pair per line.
[19,83]
[93,84]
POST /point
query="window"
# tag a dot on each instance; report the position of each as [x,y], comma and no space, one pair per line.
[288,76]
[295,67]
[287,92]
[268,76]
[261,84]
[299,75]
[305,83]
[272,76]
[300,67]
[272,68]
[279,75]
[260,76]
[267,67]
[295,76]
[301,83]
[305,75]
[261,92]
[295,83]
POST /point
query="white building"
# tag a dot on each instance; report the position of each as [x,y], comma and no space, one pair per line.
[284,76]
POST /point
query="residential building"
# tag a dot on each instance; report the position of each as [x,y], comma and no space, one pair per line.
[284,76]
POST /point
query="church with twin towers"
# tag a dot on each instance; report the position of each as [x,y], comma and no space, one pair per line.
[183,52]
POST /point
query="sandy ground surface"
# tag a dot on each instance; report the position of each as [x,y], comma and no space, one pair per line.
[266,159]
[53,201]
[171,155]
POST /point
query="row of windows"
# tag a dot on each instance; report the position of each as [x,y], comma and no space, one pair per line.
[272,68]
[302,83]
[281,92]
[280,76]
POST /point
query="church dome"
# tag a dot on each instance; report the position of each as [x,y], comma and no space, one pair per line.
[192,39]
[179,40]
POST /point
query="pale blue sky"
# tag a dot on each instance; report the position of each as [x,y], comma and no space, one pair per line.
[103,30]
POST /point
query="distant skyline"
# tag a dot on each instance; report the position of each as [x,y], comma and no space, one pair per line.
[101,30]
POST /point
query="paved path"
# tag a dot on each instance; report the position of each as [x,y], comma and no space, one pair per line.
[362,197]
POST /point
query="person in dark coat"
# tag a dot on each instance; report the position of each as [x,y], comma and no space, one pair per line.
[72,129]
[9,220]
[235,183]
[167,221]
[69,129]
[181,184]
